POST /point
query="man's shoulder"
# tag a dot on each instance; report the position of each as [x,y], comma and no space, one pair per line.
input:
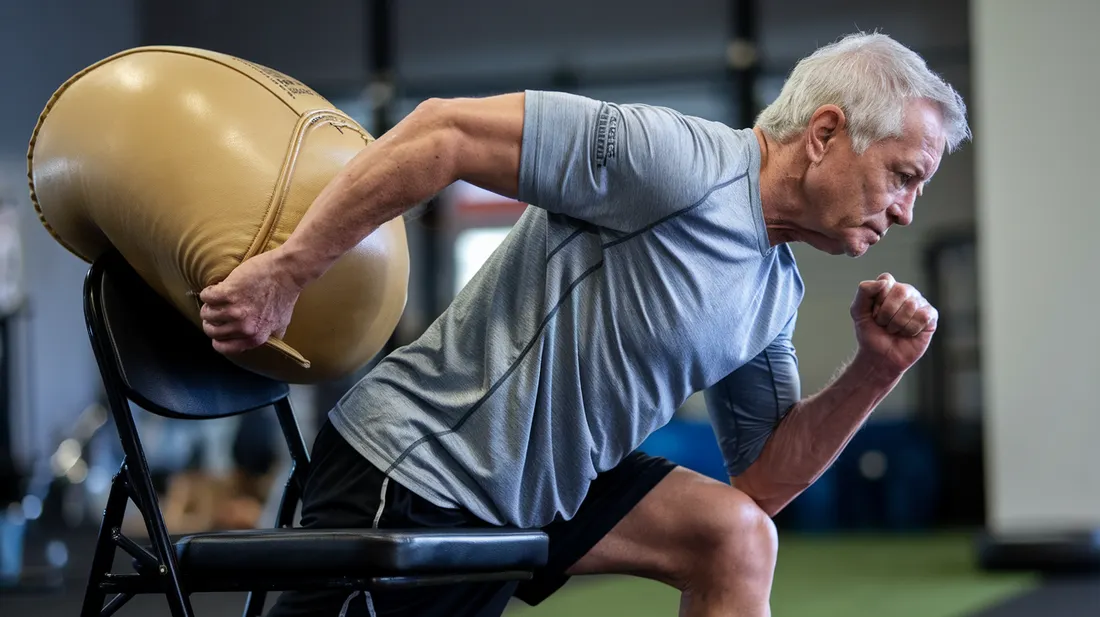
[726,152]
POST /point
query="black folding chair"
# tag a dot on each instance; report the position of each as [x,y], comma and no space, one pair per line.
[150,355]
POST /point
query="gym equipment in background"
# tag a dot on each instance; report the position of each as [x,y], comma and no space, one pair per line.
[34,550]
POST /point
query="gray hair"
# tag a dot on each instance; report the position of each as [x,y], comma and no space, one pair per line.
[871,77]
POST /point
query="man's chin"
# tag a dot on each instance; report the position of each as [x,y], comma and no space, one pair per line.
[837,246]
[856,250]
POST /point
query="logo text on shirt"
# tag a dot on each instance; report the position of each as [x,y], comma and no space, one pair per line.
[607,129]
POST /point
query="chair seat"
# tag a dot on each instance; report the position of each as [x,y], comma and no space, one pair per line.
[362,552]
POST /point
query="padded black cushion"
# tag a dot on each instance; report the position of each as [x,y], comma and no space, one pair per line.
[362,552]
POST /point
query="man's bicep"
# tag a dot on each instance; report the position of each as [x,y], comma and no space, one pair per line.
[747,405]
[618,166]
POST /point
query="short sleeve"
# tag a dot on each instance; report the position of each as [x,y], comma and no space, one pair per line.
[619,166]
[747,405]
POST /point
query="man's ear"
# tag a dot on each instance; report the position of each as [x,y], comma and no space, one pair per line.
[825,125]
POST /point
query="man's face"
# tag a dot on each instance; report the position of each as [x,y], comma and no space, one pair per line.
[854,198]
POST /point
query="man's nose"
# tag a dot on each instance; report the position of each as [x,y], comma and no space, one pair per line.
[901,213]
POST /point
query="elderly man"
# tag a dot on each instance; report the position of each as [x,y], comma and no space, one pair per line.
[654,263]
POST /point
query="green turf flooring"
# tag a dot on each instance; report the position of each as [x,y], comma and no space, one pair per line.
[826,576]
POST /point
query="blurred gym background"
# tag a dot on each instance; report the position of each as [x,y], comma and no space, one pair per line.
[975,488]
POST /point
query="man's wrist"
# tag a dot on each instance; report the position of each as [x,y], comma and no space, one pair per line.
[300,265]
[874,368]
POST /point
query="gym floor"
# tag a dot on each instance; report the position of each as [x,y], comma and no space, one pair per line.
[817,576]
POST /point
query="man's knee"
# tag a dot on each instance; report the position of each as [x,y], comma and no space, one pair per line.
[737,541]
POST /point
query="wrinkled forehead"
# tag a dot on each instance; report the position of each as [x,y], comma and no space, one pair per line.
[923,128]
[923,139]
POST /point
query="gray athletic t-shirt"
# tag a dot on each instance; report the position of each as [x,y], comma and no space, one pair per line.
[641,274]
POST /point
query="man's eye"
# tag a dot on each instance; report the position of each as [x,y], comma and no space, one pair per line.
[904,179]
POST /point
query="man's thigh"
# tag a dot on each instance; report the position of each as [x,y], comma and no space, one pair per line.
[611,497]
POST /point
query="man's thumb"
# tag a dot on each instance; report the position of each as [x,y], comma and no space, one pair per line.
[866,294]
[875,287]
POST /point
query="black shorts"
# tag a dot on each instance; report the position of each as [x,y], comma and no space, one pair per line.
[344,491]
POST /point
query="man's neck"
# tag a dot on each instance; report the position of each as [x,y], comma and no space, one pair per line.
[780,189]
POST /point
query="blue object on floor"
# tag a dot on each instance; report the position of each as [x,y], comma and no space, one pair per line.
[690,444]
[13,527]
[886,478]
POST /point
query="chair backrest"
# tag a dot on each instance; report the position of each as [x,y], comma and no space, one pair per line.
[159,358]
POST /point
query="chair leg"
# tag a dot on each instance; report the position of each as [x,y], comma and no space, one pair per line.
[104,555]
[116,603]
[292,490]
[146,498]
[178,601]
[254,606]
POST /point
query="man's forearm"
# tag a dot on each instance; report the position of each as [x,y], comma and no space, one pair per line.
[477,140]
[814,433]
[401,169]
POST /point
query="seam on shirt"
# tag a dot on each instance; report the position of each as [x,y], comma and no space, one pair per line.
[758,222]
[679,212]
[731,467]
[775,389]
[538,146]
[563,243]
[546,320]
[500,381]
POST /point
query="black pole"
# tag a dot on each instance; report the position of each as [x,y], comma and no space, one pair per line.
[743,59]
[381,54]
[379,93]
[379,51]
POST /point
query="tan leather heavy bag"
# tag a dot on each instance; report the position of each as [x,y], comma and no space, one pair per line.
[188,162]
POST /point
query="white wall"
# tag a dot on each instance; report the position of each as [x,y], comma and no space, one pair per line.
[1037,86]
[41,45]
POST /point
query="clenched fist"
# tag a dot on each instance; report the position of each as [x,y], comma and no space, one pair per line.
[894,323]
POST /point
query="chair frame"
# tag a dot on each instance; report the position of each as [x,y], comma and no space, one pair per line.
[159,571]
[157,567]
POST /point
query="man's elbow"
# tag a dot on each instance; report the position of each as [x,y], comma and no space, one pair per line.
[771,500]
[433,129]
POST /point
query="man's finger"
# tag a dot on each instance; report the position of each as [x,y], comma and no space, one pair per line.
[238,345]
[903,316]
[866,295]
[214,313]
[214,295]
[924,319]
[891,303]
[221,331]
[889,283]
[229,346]
[917,324]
